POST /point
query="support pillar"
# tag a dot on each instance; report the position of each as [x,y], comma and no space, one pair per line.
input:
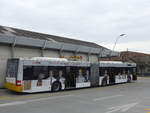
[13,48]
[43,48]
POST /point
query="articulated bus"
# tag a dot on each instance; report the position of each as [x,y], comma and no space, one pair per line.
[41,74]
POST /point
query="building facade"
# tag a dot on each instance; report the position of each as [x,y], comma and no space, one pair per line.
[141,59]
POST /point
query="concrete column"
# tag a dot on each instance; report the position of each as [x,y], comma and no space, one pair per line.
[60,53]
[42,52]
[88,57]
[76,52]
[89,54]
[42,49]
[13,47]
[12,51]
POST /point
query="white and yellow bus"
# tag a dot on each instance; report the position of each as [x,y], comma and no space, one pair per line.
[41,74]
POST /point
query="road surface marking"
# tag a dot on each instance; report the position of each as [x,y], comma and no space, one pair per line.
[108,97]
[33,100]
[122,108]
[147,109]
[4,97]
[12,103]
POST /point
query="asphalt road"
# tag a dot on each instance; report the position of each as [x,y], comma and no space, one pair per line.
[122,98]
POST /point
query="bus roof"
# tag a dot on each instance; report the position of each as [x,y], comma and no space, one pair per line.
[116,64]
[46,61]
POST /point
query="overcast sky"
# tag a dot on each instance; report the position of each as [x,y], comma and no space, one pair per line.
[99,21]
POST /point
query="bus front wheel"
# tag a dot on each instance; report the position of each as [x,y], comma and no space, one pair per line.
[56,86]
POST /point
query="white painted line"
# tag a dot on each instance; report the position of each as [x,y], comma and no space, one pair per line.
[122,108]
[108,97]
[48,98]
[12,103]
[33,100]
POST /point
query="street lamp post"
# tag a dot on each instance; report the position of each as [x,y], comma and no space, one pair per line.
[116,42]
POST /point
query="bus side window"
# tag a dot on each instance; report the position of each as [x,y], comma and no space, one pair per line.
[27,73]
[117,71]
[58,72]
[121,71]
[40,72]
[102,71]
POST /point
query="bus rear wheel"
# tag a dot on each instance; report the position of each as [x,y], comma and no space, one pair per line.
[56,86]
[104,83]
[129,79]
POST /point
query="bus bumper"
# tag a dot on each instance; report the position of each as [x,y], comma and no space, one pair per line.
[13,87]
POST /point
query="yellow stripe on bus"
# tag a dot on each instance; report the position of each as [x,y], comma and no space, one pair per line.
[13,87]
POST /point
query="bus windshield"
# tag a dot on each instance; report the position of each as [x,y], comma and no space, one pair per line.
[12,68]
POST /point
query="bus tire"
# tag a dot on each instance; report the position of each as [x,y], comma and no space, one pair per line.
[56,86]
[129,79]
[104,83]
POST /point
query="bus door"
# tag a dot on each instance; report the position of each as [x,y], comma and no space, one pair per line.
[57,77]
[83,77]
[104,76]
[70,77]
[120,74]
[111,75]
